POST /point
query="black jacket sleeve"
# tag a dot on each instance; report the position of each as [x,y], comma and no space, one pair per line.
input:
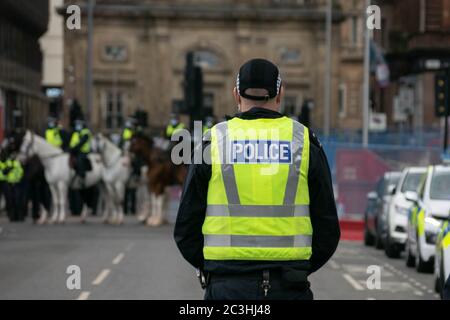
[324,218]
[191,214]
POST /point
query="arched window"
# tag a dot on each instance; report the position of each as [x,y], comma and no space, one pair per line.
[206,59]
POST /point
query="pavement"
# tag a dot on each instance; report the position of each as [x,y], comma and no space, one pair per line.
[135,262]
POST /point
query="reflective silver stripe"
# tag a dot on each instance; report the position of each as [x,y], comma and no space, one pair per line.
[298,135]
[228,176]
[299,241]
[284,211]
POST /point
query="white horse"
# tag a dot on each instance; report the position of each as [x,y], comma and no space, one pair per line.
[58,174]
[116,173]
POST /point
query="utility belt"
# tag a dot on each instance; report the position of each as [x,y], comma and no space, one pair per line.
[289,278]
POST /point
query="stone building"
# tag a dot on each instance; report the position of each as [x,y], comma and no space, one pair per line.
[22,105]
[415,38]
[140,48]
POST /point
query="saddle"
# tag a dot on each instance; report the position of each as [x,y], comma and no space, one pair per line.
[73,163]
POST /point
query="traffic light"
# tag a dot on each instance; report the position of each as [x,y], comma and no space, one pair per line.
[442,94]
[193,89]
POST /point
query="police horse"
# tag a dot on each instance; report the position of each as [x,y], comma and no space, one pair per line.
[58,173]
[161,173]
[115,176]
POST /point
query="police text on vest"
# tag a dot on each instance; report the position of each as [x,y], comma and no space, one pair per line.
[261,152]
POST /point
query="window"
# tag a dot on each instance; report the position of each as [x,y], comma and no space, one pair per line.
[208,104]
[206,59]
[289,55]
[115,53]
[114,110]
[342,100]
[354,31]
[290,106]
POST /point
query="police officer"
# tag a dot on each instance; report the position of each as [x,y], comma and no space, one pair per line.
[12,173]
[174,126]
[80,146]
[53,133]
[128,132]
[261,218]
[209,123]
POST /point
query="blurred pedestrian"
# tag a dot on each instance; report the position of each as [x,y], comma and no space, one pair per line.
[53,133]
[174,126]
[12,174]
[80,147]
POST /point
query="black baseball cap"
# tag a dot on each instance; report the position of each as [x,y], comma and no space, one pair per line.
[259,74]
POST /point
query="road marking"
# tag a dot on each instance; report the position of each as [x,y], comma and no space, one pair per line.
[102,276]
[334,265]
[371,299]
[418,293]
[84,295]
[118,258]
[353,282]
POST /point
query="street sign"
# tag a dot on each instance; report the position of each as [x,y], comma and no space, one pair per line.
[442,98]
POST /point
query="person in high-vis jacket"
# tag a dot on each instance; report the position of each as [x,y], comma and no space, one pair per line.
[53,133]
[11,176]
[128,132]
[80,147]
[174,126]
[259,216]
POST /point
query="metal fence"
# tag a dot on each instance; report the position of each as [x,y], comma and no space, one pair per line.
[356,170]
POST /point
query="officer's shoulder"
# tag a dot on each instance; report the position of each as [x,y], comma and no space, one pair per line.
[314,139]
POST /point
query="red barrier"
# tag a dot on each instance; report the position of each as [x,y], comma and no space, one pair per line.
[352,230]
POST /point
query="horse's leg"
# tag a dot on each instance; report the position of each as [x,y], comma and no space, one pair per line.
[84,210]
[63,193]
[143,202]
[120,197]
[159,210]
[104,202]
[151,218]
[55,203]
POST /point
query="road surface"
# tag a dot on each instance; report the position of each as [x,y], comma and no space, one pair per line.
[136,262]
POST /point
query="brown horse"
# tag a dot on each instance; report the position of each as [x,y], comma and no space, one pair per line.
[161,173]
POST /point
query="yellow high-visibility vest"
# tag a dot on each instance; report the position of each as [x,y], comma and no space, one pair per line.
[15,174]
[53,137]
[76,138]
[127,134]
[258,196]
[171,130]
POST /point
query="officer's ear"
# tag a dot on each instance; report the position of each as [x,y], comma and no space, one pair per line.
[237,97]
[280,96]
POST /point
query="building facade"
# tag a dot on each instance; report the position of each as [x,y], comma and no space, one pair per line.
[140,49]
[52,45]
[22,104]
[415,38]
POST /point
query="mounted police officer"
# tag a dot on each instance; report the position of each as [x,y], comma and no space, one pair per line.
[80,147]
[174,126]
[260,218]
[128,132]
[53,133]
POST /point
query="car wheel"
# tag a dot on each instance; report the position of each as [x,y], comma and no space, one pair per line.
[378,240]
[391,250]
[421,265]
[369,239]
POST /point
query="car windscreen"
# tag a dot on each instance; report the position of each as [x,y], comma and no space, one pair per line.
[393,179]
[412,181]
[440,186]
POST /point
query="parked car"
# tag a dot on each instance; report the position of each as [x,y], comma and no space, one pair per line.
[431,208]
[442,260]
[378,202]
[397,215]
